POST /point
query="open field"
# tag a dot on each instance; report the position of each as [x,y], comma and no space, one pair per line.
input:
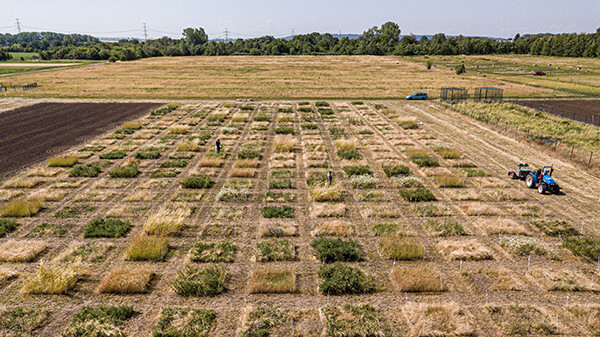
[421,232]
[33,133]
[562,74]
[264,77]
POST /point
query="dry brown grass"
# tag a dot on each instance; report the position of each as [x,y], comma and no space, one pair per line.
[166,221]
[417,278]
[336,228]
[479,208]
[284,143]
[134,125]
[502,226]
[126,281]
[381,211]
[463,250]
[242,172]
[147,248]
[21,251]
[272,281]
[328,210]
[464,195]
[210,162]
[277,229]
[494,278]
[46,194]
[588,314]
[322,193]
[437,320]
[52,279]
[6,275]
[246,163]
[189,145]
[449,180]
[24,182]
[562,279]
[345,144]
[505,195]
[179,130]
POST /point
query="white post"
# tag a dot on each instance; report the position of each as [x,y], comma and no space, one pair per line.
[528,261]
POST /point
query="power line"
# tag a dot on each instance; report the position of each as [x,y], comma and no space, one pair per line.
[145,33]
[18,26]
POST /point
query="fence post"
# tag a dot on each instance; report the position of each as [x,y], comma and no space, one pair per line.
[590,161]
[572,148]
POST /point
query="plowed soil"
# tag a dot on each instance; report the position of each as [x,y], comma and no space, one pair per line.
[585,110]
[31,134]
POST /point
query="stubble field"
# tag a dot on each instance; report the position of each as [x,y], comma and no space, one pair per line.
[146,231]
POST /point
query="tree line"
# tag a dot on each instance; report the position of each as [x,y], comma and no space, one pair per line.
[384,40]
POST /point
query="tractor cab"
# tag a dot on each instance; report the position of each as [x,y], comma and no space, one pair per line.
[546,174]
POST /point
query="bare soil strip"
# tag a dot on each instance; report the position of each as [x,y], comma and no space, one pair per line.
[31,134]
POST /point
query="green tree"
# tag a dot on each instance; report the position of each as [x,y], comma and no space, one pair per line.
[195,36]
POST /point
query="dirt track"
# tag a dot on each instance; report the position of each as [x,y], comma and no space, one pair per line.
[31,134]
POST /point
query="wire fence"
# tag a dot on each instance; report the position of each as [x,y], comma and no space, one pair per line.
[564,150]
[15,87]
[581,116]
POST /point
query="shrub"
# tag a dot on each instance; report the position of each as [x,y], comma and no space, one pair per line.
[51,279]
[166,221]
[233,193]
[213,252]
[448,153]
[284,143]
[316,178]
[357,170]
[22,207]
[417,195]
[272,281]
[126,281]
[349,154]
[425,161]
[125,171]
[88,170]
[164,110]
[332,250]
[174,163]
[326,193]
[262,118]
[200,281]
[586,248]
[399,248]
[284,130]
[113,155]
[449,181]
[321,104]
[385,228]
[248,154]
[269,251]
[280,180]
[363,181]
[277,212]
[98,321]
[93,148]
[153,154]
[408,124]
[525,246]
[309,126]
[147,248]
[446,228]
[471,172]
[63,161]
[279,197]
[414,279]
[337,132]
[339,279]
[555,228]
[202,181]
[396,171]
[408,182]
[184,322]
[106,228]
[19,321]
[7,226]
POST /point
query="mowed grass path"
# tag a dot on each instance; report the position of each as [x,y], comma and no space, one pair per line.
[262,77]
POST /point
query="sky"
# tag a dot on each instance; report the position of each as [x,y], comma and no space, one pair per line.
[252,18]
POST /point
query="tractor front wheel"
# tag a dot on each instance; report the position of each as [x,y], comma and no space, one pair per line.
[529,181]
[541,188]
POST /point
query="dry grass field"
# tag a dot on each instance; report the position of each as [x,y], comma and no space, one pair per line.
[151,233]
[274,77]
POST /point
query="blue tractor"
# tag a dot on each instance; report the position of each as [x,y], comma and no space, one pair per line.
[542,180]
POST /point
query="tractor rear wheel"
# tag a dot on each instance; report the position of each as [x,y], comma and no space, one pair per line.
[541,188]
[529,181]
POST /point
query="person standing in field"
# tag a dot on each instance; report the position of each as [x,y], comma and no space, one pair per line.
[329,178]
[218,146]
